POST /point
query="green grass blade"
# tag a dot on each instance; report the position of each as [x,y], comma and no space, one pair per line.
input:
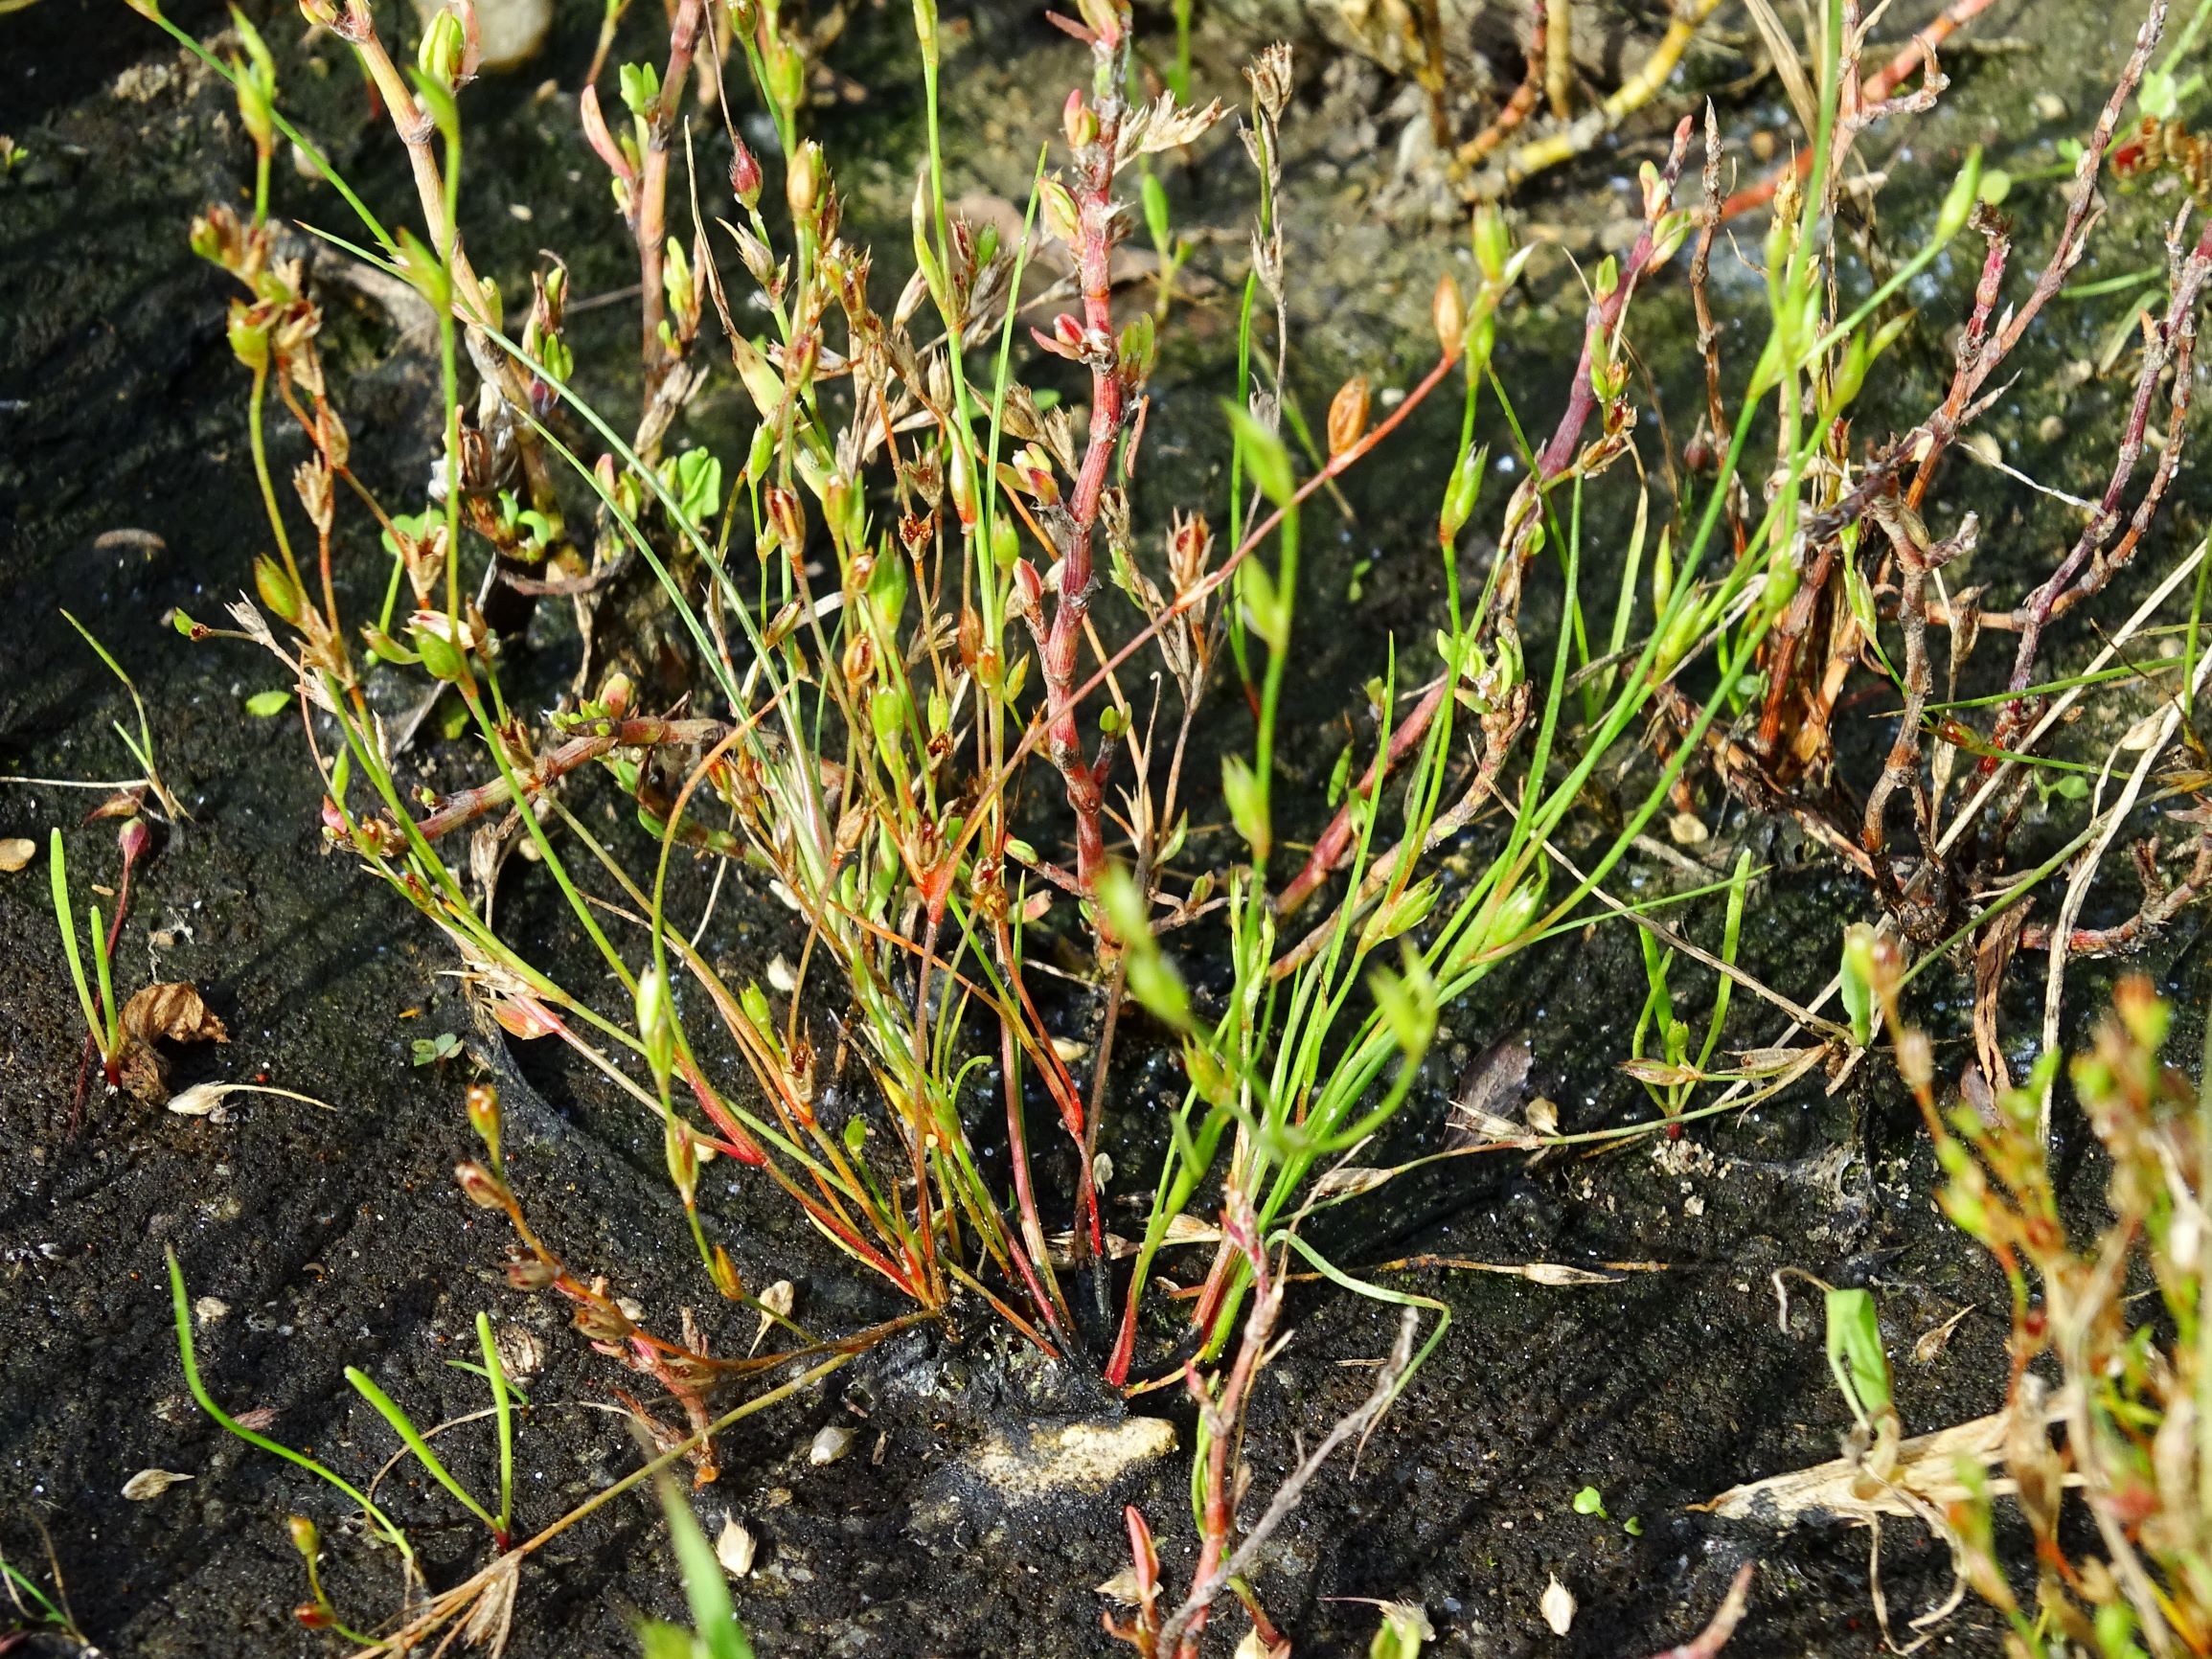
[181,1311]
[495,1373]
[707,1591]
[405,1427]
[57,877]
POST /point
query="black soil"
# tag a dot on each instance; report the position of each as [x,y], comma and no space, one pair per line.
[338,1239]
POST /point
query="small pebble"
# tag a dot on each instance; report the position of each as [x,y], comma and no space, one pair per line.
[831,1442]
[1687,830]
[210,1308]
[2049,107]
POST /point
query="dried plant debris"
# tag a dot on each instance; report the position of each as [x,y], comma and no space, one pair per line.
[157,1014]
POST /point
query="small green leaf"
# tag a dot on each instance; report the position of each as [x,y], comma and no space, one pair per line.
[1247,806]
[1340,778]
[263,704]
[1855,1352]
[1264,457]
[1589,1501]
[1857,981]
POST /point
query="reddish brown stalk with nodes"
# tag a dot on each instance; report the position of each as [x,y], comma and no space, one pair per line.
[1095,130]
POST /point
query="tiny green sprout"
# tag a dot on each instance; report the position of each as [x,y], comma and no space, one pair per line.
[1857,981]
[640,89]
[1589,1501]
[436,1050]
[1634,1525]
[263,705]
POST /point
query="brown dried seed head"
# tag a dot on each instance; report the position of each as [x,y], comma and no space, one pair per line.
[1348,414]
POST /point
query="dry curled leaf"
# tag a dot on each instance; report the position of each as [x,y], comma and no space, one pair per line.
[1349,1181]
[15,853]
[149,1484]
[175,1011]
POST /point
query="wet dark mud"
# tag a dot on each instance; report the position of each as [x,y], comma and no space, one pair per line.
[335,1238]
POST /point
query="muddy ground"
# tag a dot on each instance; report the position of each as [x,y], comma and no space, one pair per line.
[336,1237]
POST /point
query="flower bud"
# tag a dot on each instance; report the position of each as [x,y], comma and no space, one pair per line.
[1493,242]
[1448,313]
[528,1273]
[485,1190]
[745,176]
[1061,217]
[656,1024]
[484,1117]
[803,183]
[278,591]
[248,331]
[1459,495]
[1958,204]
[788,518]
[724,1273]
[1078,120]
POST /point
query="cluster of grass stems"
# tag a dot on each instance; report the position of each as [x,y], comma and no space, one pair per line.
[887,604]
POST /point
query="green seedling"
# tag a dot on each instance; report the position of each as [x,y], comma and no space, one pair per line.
[1672,1077]
[34,1609]
[1589,1501]
[715,1633]
[436,1051]
[381,1524]
[1171,250]
[102,1017]
[141,746]
[417,1443]
[1856,1355]
[1405,1630]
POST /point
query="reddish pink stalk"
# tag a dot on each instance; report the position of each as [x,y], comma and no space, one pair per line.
[1057,650]
[1336,840]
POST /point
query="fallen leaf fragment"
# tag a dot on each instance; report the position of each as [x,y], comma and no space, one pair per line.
[150,1483]
[173,1009]
[15,853]
[1926,1469]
